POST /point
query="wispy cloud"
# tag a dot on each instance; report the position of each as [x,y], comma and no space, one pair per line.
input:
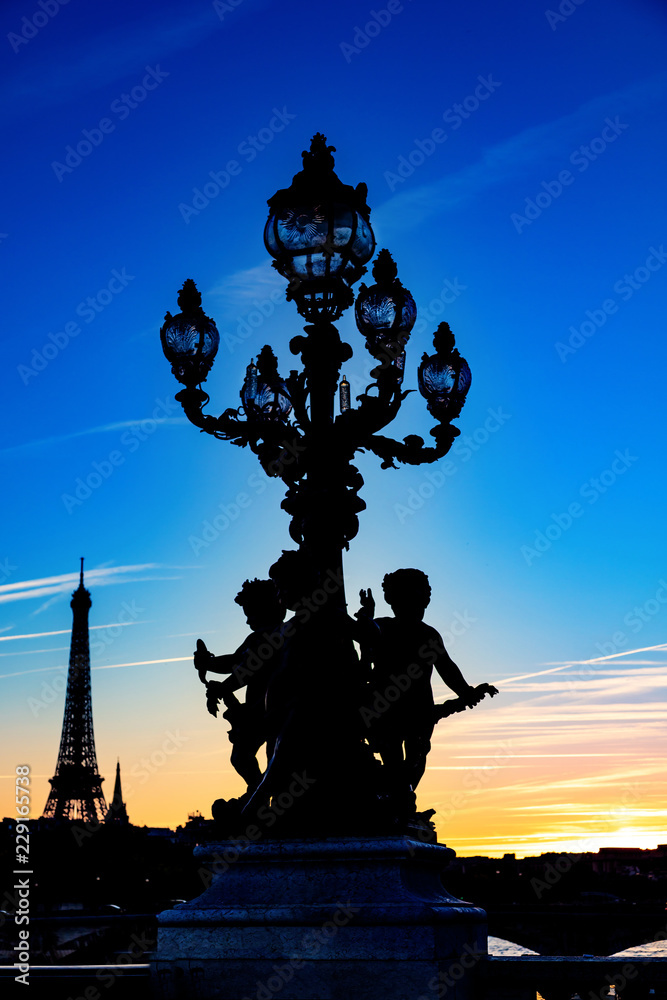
[33,652]
[610,656]
[47,604]
[236,292]
[31,589]
[524,677]
[112,55]
[107,666]
[541,145]
[119,425]
[65,631]
[118,53]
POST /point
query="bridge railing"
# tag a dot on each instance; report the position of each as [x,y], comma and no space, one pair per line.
[496,978]
[561,978]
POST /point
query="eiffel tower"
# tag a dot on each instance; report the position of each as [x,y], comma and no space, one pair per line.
[76,787]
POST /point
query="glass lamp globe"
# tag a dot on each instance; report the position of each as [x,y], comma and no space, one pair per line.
[444,378]
[386,312]
[264,394]
[190,340]
[319,234]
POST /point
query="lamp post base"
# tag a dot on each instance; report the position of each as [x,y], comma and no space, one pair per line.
[333,919]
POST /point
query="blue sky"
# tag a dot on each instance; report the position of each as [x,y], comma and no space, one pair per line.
[531,217]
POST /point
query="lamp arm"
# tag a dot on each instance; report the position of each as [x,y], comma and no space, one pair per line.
[193,402]
[355,426]
[411,450]
[227,427]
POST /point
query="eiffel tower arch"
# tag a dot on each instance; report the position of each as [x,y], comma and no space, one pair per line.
[76,787]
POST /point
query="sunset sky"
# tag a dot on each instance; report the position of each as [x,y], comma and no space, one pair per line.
[514,158]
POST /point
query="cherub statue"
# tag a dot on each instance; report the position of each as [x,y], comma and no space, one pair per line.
[400,713]
[251,666]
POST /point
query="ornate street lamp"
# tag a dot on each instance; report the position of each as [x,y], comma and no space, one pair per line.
[319,233]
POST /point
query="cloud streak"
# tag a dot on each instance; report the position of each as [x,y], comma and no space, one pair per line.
[538,146]
[30,589]
[119,425]
[107,666]
[64,631]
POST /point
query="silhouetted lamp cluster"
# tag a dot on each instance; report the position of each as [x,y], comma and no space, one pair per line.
[319,234]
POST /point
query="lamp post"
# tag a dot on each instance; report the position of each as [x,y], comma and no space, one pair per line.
[343,822]
[319,234]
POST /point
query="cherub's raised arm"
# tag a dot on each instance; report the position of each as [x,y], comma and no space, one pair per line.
[224,664]
[449,672]
[206,662]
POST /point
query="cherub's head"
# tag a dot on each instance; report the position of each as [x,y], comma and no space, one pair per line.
[294,576]
[407,592]
[261,603]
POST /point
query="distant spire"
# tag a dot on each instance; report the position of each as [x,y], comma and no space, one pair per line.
[117,813]
[81,576]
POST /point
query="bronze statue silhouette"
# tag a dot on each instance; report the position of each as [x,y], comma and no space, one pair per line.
[399,713]
[251,666]
[312,703]
[322,712]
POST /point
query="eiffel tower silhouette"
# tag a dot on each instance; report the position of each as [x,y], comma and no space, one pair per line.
[76,787]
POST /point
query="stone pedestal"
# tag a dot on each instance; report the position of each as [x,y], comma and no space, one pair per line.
[339,919]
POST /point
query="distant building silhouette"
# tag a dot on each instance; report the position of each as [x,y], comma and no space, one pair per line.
[117,813]
[76,787]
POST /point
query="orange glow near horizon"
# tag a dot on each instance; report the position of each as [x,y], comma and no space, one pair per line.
[568,761]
